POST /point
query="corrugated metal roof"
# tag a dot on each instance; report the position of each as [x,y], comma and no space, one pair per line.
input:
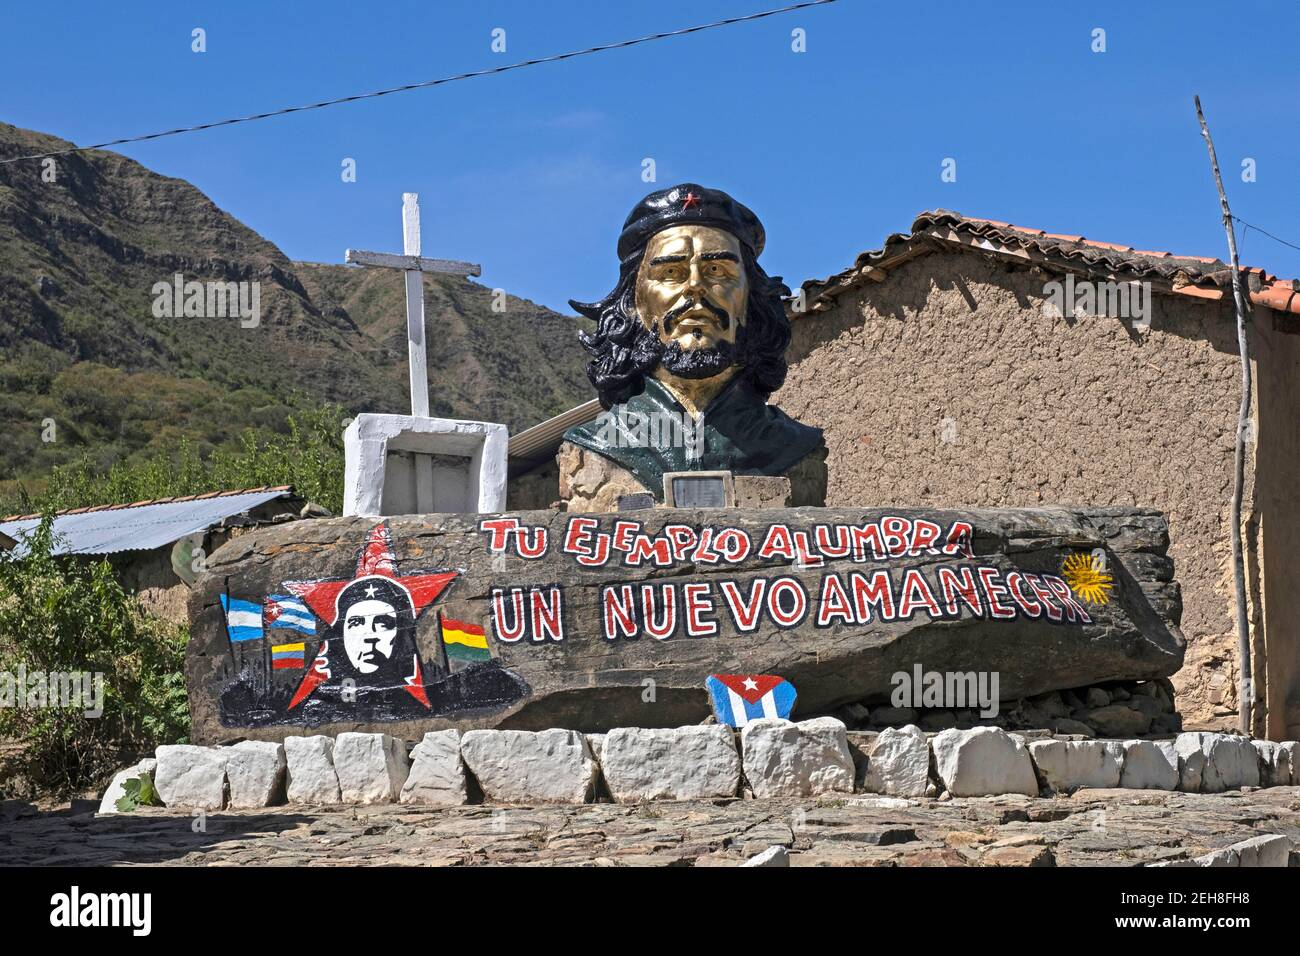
[139,527]
[540,442]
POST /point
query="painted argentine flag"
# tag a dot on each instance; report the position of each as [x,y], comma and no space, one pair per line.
[243,619]
[283,610]
[739,698]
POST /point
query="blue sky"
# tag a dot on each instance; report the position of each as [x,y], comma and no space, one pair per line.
[531,173]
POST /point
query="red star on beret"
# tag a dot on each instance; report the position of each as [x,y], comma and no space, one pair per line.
[690,200]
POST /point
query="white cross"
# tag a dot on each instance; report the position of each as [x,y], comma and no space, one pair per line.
[414,266]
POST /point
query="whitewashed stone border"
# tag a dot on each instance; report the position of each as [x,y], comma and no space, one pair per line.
[255,770]
[782,758]
[117,789]
[524,766]
[437,774]
[190,776]
[1268,849]
[681,763]
[775,758]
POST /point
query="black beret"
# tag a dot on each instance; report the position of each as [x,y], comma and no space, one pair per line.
[689,204]
[385,589]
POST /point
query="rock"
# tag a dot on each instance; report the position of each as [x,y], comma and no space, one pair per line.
[1231,763]
[1118,692]
[899,763]
[887,836]
[1164,693]
[1213,763]
[1046,643]
[983,761]
[1274,764]
[765,491]
[683,763]
[255,770]
[1219,859]
[772,856]
[1149,765]
[1049,704]
[785,759]
[1065,725]
[1096,698]
[117,788]
[893,716]
[1118,720]
[437,775]
[854,715]
[1028,855]
[1289,747]
[1146,705]
[1166,724]
[520,766]
[1067,765]
[310,776]
[1191,761]
[936,720]
[371,767]
[191,777]
[1270,849]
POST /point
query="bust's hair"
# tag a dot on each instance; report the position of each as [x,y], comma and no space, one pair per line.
[623,350]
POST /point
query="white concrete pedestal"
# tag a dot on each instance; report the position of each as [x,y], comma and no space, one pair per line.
[400,464]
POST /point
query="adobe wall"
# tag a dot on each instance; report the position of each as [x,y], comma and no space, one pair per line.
[948,385]
[1277,512]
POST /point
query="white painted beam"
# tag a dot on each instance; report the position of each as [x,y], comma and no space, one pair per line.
[389,260]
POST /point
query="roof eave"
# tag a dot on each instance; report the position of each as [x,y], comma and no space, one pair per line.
[1194,276]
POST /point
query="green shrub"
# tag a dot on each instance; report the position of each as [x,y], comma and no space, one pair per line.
[67,615]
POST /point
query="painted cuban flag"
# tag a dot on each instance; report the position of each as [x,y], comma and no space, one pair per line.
[243,619]
[739,698]
[291,613]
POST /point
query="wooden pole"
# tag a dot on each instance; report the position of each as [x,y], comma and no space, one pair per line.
[1247,693]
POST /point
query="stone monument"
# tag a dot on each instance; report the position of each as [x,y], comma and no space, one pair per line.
[546,619]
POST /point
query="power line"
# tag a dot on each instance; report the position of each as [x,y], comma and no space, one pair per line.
[427,83]
[1265,232]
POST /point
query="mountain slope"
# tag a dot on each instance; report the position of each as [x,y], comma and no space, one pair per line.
[81,347]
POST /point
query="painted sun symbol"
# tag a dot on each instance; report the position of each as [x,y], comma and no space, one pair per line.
[1087,578]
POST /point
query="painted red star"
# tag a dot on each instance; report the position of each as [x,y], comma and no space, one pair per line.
[690,200]
[375,560]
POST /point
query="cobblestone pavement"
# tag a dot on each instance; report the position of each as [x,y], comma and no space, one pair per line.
[1093,827]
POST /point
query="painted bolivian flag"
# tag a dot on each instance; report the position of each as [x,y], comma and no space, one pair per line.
[464,642]
[287,656]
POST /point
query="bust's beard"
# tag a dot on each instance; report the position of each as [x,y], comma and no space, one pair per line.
[696,363]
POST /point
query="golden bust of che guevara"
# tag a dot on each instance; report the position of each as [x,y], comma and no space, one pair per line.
[697,330]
